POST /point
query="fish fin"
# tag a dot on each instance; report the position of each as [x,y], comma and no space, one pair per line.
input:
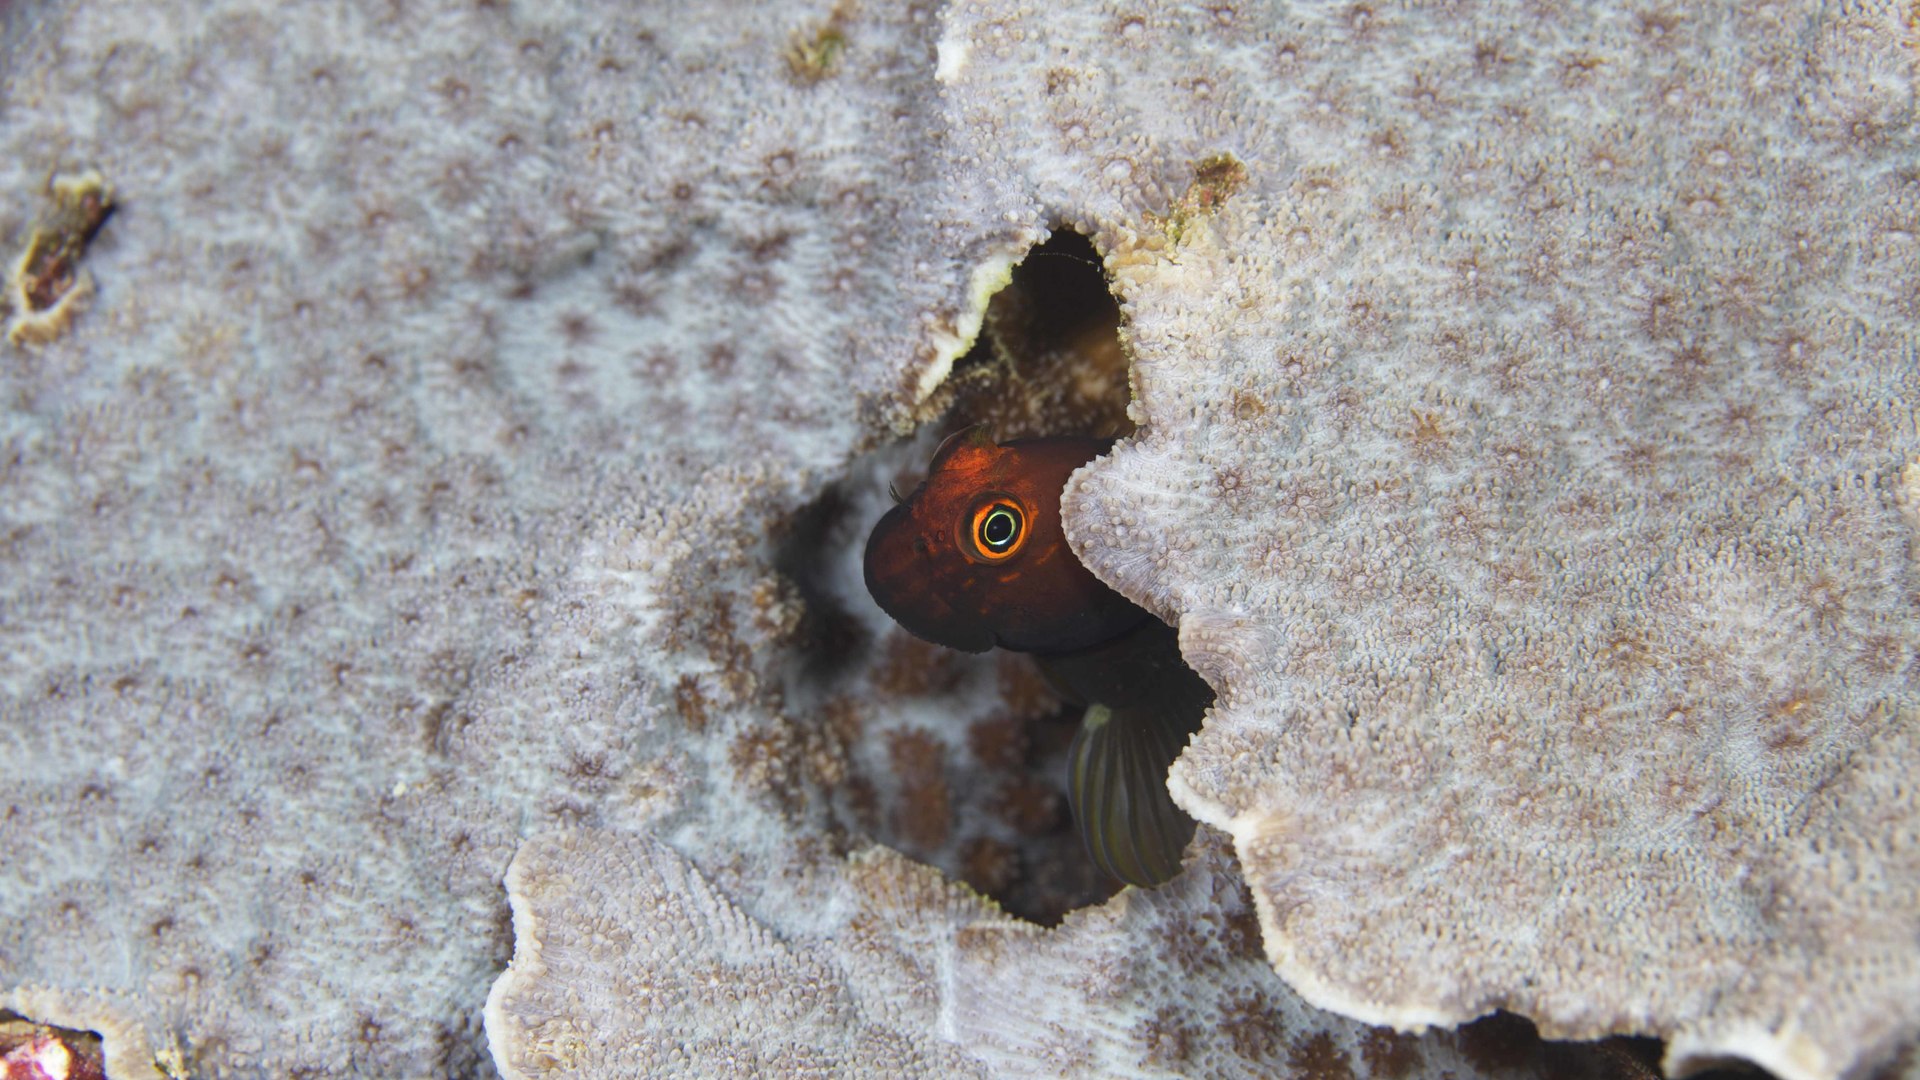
[1117,784]
[974,438]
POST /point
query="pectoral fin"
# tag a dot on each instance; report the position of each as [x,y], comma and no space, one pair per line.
[1117,783]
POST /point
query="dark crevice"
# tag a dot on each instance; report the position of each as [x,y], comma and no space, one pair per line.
[1049,359]
[1508,1043]
[953,759]
[829,639]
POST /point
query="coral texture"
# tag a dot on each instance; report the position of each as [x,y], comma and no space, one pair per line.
[1526,452]
[1522,457]
[626,958]
[629,963]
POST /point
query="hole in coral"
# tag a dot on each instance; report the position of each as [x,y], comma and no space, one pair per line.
[960,760]
[829,639]
[954,759]
[1048,360]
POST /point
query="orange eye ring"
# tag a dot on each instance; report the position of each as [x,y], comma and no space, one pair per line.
[996,531]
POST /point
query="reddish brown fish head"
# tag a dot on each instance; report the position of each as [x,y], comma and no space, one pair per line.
[975,557]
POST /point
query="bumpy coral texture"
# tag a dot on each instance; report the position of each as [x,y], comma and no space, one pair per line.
[629,962]
[1523,458]
[407,487]
[1526,453]
[427,475]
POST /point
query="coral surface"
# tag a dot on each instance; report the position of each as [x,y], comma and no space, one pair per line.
[626,955]
[461,461]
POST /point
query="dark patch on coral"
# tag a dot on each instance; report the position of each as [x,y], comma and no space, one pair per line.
[1390,1055]
[815,53]
[1317,1057]
[1902,1064]
[47,282]
[1252,1026]
[924,816]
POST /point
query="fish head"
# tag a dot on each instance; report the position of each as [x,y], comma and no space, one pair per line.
[976,557]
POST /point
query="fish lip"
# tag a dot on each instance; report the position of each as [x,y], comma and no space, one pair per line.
[946,628]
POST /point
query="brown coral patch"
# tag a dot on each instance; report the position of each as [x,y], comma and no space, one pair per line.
[924,814]
[1000,741]
[989,865]
[910,667]
[1024,690]
[1169,1039]
[1033,807]
[690,703]
[1315,1057]
[1389,1054]
[765,760]
[1250,1023]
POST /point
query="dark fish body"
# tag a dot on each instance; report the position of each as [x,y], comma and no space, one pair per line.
[975,557]
[1143,704]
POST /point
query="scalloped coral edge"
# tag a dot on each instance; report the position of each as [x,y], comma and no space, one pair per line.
[1783,1053]
[526,962]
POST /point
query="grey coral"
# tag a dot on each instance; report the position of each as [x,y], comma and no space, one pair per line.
[1526,454]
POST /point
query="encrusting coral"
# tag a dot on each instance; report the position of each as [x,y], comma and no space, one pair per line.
[628,955]
[1547,554]
[1525,399]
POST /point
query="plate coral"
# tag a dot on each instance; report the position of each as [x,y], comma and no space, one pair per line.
[429,558]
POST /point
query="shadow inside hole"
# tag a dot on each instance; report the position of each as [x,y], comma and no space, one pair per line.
[1048,360]
[1510,1044]
[829,639]
[953,759]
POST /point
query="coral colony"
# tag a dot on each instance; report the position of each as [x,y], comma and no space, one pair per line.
[432,508]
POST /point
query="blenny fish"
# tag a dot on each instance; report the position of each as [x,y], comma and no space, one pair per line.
[975,558]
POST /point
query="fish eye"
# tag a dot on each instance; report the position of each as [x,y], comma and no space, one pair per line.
[998,531]
[999,528]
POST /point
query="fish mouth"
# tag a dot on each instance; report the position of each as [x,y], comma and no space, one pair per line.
[902,580]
